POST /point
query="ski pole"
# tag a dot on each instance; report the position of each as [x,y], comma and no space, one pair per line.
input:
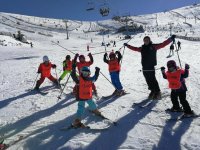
[35,81]
[107,79]
[124,48]
[148,70]
[127,42]
[63,47]
[101,52]
[122,55]
[59,97]
[57,79]
[177,53]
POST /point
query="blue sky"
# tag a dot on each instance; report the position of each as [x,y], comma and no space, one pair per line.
[76,9]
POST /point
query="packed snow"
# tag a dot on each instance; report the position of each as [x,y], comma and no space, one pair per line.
[39,118]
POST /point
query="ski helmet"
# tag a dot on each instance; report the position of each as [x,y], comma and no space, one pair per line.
[171,63]
[68,57]
[85,71]
[45,58]
[81,57]
[112,55]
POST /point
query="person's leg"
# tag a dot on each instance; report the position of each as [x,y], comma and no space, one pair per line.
[174,100]
[93,107]
[118,82]
[39,82]
[79,113]
[184,102]
[53,79]
[113,79]
[153,82]
[63,75]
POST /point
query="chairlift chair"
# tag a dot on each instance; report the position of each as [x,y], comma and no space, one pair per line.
[90,6]
[104,10]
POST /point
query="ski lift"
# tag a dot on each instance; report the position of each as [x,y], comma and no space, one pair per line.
[104,10]
[90,6]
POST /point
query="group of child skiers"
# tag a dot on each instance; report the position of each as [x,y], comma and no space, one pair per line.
[85,86]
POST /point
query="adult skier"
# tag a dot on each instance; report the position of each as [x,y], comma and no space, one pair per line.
[149,60]
[84,92]
[114,69]
[45,71]
[175,77]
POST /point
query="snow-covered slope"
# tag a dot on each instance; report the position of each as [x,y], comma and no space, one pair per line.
[38,118]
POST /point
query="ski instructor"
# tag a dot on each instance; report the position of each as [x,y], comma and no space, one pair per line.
[149,60]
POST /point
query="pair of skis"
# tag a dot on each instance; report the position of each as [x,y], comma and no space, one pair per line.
[112,96]
[87,127]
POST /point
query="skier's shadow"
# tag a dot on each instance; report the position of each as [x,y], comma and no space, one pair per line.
[7,101]
[120,134]
[104,102]
[171,138]
[15,128]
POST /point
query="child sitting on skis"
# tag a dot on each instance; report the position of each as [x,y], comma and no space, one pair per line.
[114,69]
[175,77]
[84,92]
[67,67]
[45,71]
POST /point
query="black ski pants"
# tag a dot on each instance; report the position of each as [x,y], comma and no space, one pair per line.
[182,97]
[151,81]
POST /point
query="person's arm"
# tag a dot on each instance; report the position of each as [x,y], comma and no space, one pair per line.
[91,58]
[137,49]
[163,44]
[105,58]
[185,73]
[73,74]
[53,66]
[95,77]
[40,69]
[119,56]
[64,65]
[75,58]
[163,72]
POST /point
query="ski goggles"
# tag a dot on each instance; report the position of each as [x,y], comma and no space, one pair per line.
[85,73]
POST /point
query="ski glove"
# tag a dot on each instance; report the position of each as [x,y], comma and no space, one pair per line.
[173,37]
[97,69]
[117,52]
[187,67]
[162,69]
[54,66]
[90,55]
[125,44]
[76,55]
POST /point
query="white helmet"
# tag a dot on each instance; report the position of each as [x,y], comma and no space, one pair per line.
[45,58]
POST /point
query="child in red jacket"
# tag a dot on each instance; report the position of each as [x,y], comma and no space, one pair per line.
[45,71]
[176,79]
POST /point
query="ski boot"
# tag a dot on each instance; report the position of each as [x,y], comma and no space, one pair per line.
[157,96]
[151,95]
[78,124]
